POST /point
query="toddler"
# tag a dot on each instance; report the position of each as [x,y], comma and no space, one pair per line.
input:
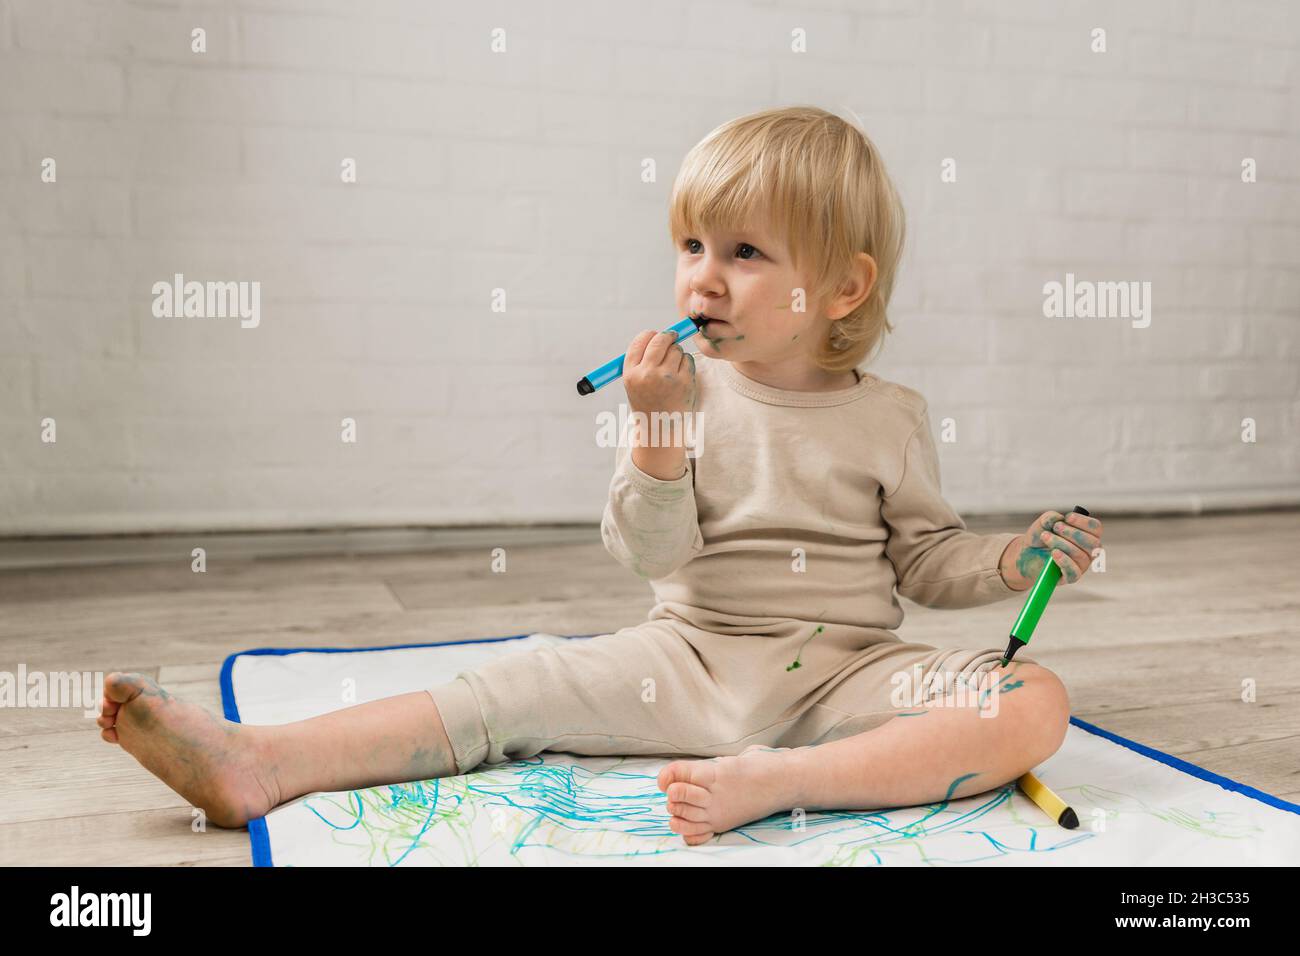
[774,553]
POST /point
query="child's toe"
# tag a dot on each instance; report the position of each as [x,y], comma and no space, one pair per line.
[688,812]
[682,792]
[120,688]
[665,777]
[678,770]
[688,827]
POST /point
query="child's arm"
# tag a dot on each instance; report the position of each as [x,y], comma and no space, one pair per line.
[650,524]
[938,562]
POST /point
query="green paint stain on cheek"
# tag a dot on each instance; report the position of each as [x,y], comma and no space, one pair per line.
[717,343]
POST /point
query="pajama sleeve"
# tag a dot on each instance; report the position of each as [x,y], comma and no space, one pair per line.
[650,526]
[937,562]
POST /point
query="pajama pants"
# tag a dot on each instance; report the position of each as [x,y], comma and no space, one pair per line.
[668,688]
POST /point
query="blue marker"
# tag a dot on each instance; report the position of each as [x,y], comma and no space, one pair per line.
[613,369]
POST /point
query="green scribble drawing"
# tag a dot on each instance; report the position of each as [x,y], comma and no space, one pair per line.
[1219,825]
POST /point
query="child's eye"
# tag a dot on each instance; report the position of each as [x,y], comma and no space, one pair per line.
[743,245]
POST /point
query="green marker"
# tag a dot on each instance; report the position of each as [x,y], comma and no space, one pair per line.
[1036,602]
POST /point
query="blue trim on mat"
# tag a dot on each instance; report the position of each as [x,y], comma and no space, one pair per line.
[1189,768]
[261,842]
[258,837]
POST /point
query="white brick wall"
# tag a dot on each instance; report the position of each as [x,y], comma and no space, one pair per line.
[521,171]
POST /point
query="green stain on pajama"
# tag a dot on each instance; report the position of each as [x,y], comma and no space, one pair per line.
[796,663]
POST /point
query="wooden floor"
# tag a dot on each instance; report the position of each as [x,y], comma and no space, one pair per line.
[1155,649]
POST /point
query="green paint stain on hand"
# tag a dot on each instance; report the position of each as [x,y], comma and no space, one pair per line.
[1030,562]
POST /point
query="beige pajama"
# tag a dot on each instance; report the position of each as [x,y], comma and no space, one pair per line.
[799,510]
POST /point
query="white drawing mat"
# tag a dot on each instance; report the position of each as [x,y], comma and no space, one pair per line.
[1136,806]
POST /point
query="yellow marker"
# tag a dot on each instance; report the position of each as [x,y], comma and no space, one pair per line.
[1049,802]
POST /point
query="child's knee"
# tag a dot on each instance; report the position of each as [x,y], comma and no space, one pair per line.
[1043,702]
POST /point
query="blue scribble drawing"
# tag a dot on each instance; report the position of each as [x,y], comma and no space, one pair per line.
[560,809]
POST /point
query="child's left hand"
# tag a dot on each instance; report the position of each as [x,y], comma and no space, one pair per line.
[1068,540]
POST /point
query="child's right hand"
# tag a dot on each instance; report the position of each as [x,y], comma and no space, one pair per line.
[658,375]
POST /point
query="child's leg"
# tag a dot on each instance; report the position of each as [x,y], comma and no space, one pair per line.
[391,740]
[938,754]
[584,696]
[236,772]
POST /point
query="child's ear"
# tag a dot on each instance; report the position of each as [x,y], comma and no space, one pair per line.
[857,287]
[870,264]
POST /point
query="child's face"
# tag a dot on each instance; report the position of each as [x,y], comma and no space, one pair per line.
[746,279]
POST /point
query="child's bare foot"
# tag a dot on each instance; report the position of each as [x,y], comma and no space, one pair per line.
[707,797]
[213,763]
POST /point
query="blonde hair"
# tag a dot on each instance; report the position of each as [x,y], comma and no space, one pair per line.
[821,184]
